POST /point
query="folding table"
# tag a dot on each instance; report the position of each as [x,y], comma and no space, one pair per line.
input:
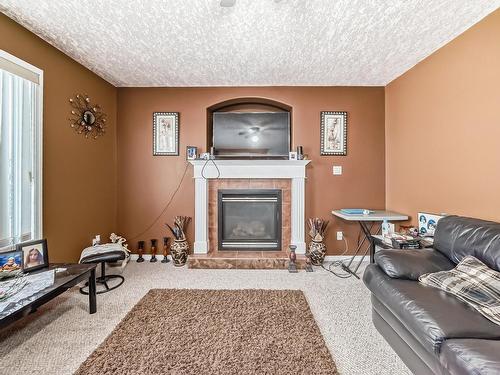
[375,216]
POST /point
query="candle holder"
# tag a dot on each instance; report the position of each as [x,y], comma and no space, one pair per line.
[153,251]
[165,250]
[292,266]
[308,266]
[140,249]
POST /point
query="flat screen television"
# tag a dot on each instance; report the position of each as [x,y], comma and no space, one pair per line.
[263,135]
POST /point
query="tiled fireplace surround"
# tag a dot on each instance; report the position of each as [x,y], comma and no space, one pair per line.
[286,175]
[213,187]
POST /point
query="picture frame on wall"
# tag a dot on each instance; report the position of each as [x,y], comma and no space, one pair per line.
[35,254]
[333,133]
[165,133]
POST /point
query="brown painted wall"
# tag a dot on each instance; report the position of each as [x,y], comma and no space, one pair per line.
[443,129]
[146,182]
[79,176]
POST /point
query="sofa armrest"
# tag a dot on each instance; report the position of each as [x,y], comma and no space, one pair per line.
[411,264]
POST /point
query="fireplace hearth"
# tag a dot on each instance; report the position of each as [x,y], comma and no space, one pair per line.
[249,219]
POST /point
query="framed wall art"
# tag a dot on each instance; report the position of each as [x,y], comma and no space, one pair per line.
[165,133]
[333,133]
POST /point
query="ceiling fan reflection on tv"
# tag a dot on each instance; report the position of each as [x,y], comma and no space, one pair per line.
[230,3]
[254,131]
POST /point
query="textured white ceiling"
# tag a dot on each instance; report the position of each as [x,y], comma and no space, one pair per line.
[254,43]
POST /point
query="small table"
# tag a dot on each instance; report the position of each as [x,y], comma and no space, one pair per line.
[375,216]
[64,280]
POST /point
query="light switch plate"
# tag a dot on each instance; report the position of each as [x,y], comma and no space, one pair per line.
[337,170]
[340,235]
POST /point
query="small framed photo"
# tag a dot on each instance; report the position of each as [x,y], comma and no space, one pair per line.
[427,223]
[11,261]
[35,254]
[191,152]
[292,155]
[165,133]
[333,133]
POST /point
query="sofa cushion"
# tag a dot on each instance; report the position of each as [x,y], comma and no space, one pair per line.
[429,314]
[411,264]
[456,237]
[473,283]
[471,356]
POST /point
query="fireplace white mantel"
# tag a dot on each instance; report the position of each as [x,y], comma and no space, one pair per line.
[295,170]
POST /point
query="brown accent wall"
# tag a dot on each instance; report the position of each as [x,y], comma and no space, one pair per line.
[146,182]
[79,175]
[443,129]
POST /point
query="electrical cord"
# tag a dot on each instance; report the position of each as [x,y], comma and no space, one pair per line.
[175,193]
[210,159]
[166,206]
[338,263]
[341,262]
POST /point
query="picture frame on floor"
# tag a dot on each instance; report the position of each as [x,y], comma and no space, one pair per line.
[333,133]
[165,133]
[35,254]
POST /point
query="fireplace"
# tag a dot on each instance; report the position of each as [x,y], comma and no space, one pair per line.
[249,219]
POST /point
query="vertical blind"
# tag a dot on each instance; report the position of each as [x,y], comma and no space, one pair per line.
[19,206]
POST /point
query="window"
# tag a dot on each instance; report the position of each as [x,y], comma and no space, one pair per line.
[20,151]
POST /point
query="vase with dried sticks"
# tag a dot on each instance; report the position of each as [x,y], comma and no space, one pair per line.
[317,231]
[179,249]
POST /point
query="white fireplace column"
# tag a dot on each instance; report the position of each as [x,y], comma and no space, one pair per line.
[262,169]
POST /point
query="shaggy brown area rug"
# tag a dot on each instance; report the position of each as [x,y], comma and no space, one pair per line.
[184,331]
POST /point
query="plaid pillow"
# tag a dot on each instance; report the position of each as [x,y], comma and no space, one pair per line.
[473,283]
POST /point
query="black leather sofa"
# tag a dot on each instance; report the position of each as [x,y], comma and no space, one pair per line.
[433,332]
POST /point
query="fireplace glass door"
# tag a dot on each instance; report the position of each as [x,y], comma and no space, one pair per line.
[249,219]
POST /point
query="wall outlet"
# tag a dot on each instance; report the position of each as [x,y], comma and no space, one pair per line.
[337,170]
[340,235]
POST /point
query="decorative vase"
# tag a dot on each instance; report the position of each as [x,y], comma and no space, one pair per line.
[179,252]
[317,251]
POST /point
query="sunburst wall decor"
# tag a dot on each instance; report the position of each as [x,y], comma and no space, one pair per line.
[86,118]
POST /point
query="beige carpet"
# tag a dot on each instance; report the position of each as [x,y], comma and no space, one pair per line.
[61,335]
[181,331]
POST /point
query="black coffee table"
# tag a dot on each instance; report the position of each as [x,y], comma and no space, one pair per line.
[74,274]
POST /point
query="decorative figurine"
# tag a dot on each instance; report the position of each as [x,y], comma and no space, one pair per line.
[153,251]
[141,251]
[165,250]
[308,266]
[292,266]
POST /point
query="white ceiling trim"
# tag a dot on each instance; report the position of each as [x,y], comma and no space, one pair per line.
[172,43]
